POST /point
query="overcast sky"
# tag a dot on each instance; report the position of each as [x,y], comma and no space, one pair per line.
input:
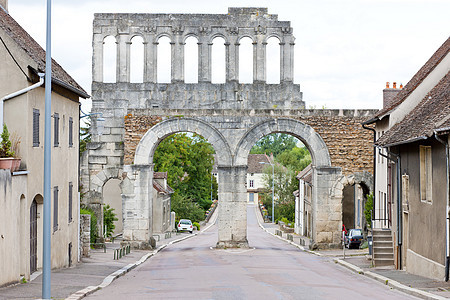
[345,50]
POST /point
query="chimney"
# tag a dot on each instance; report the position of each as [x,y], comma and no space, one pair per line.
[4,4]
[390,93]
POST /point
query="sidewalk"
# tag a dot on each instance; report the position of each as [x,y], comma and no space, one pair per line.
[92,273]
[359,262]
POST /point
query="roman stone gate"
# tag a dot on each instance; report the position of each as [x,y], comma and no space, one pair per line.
[232,116]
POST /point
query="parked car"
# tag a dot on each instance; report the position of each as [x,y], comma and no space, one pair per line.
[185,224]
[353,238]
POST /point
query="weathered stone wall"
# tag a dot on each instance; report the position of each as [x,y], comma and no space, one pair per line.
[349,145]
[85,235]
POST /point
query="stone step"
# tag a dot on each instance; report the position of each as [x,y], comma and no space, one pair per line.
[383,255]
[382,239]
[381,232]
[383,262]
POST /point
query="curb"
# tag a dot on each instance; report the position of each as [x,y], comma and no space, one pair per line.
[113,276]
[392,283]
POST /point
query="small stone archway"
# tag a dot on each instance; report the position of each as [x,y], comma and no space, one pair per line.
[325,229]
[364,179]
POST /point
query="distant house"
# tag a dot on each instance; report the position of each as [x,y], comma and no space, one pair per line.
[412,181]
[21,198]
[255,176]
[303,198]
[161,202]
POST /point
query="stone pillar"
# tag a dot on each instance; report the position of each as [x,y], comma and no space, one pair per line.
[232,219]
[149,58]
[155,61]
[232,59]
[123,57]
[287,59]
[85,235]
[177,60]
[137,205]
[204,61]
[97,58]
[326,213]
[260,60]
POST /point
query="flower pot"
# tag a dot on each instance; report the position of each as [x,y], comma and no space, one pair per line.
[10,163]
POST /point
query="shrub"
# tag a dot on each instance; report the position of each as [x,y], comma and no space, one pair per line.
[5,148]
[94,229]
[197,225]
[368,209]
[108,219]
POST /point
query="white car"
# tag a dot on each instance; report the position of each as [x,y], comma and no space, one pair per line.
[185,225]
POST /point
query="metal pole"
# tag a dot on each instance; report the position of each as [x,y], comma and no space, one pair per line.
[46,260]
[273,193]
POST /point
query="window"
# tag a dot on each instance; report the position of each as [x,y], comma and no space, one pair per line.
[425,173]
[56,129]
[251,183]
[35,127]
[55,208]
[70,132]
[405,192]
[70,200]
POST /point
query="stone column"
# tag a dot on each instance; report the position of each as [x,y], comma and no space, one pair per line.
[97,58]
[177,58]
[260,60]
[232,217]
[326,213]
[287,59]
[232,59]
[85,235]
[204,61]
[149,58]
[137,205]
[155,61]
[123,56]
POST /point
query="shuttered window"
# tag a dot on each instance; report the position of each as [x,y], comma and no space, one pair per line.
[70,132]
[55,208]
[35,127]
[425,174]
[70,201]
[56,129]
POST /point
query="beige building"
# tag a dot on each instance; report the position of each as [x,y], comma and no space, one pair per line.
[161,203]
[255,176]
[21,195]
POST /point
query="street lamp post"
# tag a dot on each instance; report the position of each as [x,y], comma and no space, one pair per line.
[273,188]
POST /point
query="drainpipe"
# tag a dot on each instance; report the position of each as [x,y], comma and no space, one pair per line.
[374,171]
[399,201]
[18,93]
[447,234]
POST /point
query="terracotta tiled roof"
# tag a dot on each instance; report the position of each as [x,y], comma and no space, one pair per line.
[432,113]
[306,174]
[37,54]
[157,186]
[254,165]
[417,78]
[160,175]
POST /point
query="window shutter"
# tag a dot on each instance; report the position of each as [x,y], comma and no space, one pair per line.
[35,127]
[70,132]
[55,208]
[70,201]
[56,129]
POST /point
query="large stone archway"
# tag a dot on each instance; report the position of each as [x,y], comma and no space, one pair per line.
[231,116]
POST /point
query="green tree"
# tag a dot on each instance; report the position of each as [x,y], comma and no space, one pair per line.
[275,143]
[185,208]
[295,159]
[94,228]
[368,209]
[188,162]
[109,217]
[5,146]
[85,136]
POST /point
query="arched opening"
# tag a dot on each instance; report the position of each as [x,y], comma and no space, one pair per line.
[182,180]
[245,60]
[275,163]
[218,59]
[273,60]
[191,60]
[109,59]
[112,197]
[354,198]
[164,72]
[137,59]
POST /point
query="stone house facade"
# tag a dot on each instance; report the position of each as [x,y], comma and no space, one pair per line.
[21,198]
[255,176]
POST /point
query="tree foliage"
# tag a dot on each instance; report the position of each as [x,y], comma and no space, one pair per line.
[188,161]
[85,136]
[368,209]
[295,159]
[109,217]
[274,144]
[185,208]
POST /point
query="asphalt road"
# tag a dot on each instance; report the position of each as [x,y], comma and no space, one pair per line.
[271,269]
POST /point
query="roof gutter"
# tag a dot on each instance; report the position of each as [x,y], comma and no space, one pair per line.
[420,138]
[18,93]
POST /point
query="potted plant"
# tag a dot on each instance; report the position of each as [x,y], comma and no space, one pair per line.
[7,159]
